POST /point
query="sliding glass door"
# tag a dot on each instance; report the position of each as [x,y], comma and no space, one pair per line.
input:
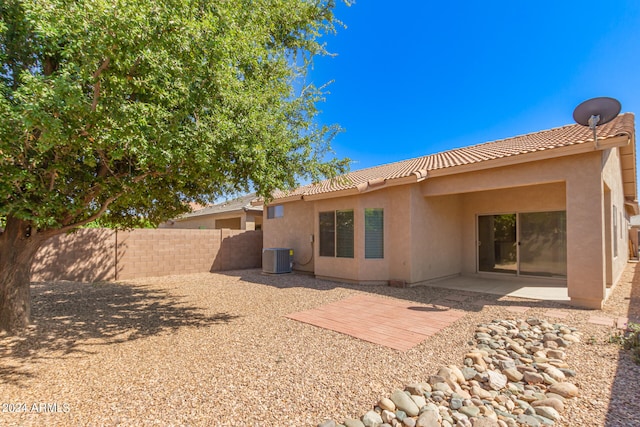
[497,248]
[532,243]
[543,243]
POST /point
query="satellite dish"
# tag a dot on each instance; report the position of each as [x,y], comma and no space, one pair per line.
[595,112]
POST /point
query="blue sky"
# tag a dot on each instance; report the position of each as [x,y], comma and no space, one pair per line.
[417,77]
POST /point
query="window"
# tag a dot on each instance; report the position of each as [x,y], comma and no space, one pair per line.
[327,234]
[276,211]
[336,234]
[344,234]
[615,231]
[374,233]
[621,226]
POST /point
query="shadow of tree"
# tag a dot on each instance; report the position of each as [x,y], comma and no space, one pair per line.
[85,255]
[70,317]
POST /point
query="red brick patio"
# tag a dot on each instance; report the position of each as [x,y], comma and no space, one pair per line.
[393,323]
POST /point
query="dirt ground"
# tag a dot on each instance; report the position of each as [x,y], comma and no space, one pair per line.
[217,349]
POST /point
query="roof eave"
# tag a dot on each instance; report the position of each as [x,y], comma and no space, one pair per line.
[200,215]
[632,207]
[628,165]
[578,148]
[370,186]
[286,199]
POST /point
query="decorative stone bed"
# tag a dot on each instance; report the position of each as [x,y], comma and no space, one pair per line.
[515,375]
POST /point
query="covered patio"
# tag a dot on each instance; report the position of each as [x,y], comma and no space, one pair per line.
[520,287]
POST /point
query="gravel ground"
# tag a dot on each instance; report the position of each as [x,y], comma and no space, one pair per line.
[216,349]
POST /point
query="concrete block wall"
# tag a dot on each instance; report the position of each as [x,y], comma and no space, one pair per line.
[100,254]
[86,255]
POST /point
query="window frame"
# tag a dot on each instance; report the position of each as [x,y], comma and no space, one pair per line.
[336,240]
[275,211]
[373,237]
[615,231]
[327,234]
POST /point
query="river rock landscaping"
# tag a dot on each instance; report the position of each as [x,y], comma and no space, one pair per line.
[515,375]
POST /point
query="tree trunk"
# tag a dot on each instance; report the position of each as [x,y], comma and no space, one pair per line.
[18,246]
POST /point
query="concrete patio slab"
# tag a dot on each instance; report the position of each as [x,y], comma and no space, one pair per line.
[393,323]
[521,287]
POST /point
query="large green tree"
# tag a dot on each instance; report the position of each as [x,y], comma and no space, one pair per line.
[122,109]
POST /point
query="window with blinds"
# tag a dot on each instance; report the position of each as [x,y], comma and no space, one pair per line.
[336,234]
[344,234]
[327,234]
[374,233]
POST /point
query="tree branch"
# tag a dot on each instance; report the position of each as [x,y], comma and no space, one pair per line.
[92,192]
[96,86]
[52,180]
[50,65]
[133,67]
[55,231]
[104,165]
[102,67]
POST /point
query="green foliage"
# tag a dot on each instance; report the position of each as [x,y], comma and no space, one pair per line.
[133,108]
[629,339]
[100,223]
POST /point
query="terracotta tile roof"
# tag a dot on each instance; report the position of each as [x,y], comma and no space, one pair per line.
[246,202]
[519,145]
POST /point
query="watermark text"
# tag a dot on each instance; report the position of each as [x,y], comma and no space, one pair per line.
[36,407]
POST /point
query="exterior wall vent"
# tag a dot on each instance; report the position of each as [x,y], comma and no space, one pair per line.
[277,260]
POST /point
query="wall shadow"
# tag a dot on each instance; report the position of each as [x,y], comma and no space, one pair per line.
[69,318]
[238,251]
[624,407]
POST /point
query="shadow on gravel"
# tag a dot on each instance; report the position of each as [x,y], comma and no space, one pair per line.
[443,297]
[624,407]
[70,317]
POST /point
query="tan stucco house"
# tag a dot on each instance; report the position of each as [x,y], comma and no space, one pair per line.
[242,213]
[552,205]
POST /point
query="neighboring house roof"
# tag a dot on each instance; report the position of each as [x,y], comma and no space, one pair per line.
[548,143]
[249,202]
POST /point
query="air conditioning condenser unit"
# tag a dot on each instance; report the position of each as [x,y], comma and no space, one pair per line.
[277,260]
